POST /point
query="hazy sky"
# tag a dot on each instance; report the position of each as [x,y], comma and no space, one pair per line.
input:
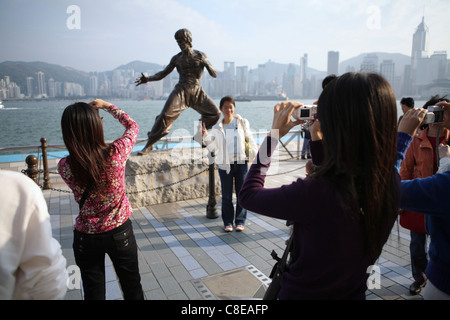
[100,35]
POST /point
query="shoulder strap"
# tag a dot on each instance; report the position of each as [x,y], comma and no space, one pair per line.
[242,121]
[281,264]
[288,248]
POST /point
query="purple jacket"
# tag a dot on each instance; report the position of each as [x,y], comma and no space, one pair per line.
[331,261]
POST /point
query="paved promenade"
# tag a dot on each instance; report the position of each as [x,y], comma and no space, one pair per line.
[185,256]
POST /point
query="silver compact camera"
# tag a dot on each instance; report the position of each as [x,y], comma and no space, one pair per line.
[306,112]
[435,114]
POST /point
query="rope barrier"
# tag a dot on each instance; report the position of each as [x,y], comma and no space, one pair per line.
[193,161]
[163,186]
[134,192]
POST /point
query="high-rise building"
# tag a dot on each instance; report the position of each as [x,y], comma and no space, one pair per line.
[387,70]
[41,86]
[7,81]
[51,88]
[333,62]
[228,69]
[419,56]
[30,86]
[370,63]
[93,85]
[438,65]
[242,80]
[289,80]
[420,43]
[304,84]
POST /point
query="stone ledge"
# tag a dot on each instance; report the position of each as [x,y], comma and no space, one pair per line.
[155,178]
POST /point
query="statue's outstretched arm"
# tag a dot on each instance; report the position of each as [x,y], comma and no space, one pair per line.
[157,76]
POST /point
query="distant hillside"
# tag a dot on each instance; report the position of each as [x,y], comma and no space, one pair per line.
[18,72]
[399,59]
[140,66]
[277,70]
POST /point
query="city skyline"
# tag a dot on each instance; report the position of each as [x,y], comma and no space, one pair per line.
[233,79]
[99,35]
[271,78]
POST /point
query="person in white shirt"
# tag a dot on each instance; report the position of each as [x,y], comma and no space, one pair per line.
[233,144]
[32,266]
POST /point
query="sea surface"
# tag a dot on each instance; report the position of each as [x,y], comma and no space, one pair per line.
[25,123]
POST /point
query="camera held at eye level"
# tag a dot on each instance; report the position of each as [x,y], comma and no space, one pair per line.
[435,115]
[306,112]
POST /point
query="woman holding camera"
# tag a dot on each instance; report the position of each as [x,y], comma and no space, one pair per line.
[95,171]
[344,211]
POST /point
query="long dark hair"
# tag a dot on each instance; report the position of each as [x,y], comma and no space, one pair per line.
[82,131]
[358,118]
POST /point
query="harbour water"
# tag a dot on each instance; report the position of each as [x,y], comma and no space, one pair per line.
[25,123]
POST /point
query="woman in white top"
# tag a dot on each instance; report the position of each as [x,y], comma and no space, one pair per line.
[233,145]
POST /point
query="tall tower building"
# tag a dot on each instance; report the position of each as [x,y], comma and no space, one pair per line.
[419,56]
[420,43]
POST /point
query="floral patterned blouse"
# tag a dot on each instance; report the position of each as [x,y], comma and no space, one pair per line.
[109,209]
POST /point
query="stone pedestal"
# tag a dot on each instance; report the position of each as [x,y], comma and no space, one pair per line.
[168,175]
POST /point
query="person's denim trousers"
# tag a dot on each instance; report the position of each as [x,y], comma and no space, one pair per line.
[418,252]
[236,176]
[120,245]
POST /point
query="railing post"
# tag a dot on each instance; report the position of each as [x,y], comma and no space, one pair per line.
[32,170]
[211,212]
[44,159]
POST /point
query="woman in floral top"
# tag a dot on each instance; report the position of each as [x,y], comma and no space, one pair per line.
[95,171]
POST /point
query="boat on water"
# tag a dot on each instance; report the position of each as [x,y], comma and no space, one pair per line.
[1,104]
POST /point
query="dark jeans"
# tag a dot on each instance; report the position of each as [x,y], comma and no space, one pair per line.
[306,149]
[236,176]
[418,252]
[120,245]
